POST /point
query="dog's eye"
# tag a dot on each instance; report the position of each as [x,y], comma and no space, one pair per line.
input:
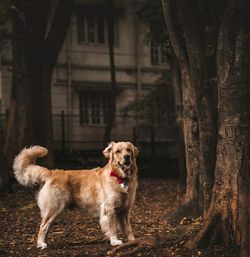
[118,151]
[128,149]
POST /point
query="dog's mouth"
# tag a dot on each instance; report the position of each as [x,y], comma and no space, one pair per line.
[125,166]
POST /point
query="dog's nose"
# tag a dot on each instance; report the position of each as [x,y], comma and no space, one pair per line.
[126,157]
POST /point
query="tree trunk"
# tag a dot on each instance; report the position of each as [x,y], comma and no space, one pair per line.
[112,102]
[5,178]
[188,37]
[175,74]
[18,122]
[190,205]
[42,124]
[227,219]
[190,202]
[244,197]
[37,42]
[205,90]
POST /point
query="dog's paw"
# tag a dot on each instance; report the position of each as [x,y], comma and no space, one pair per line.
[131,238]
[116,242]
[41,245]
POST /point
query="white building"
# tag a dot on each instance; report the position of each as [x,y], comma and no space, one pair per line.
[81,82]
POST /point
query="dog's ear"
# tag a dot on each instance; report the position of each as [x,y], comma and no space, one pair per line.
[135,151]
[108,149]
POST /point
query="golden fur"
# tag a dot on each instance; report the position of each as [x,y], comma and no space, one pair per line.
[95,190]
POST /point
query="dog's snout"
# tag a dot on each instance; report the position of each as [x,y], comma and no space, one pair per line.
[126,157]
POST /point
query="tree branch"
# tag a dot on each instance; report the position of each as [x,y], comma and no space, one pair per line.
[58,30]
[175,38]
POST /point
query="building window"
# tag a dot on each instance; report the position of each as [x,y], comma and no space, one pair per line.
[93,109]
[92,29]
[159,54]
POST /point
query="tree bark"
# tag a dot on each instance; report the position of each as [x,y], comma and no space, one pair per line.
[188,41]
[227,219]
[190,205]
[175,74]
[205,90]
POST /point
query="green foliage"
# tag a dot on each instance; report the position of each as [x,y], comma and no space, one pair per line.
[150,12]
[157,107]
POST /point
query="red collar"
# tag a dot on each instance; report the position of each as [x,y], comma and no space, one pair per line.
[119,179]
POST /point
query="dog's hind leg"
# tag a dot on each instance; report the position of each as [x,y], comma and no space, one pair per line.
[44,227]
[51,202]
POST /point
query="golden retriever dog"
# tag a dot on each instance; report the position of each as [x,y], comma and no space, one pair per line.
[108,192]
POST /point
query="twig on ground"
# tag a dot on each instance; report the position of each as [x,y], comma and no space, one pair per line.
[134,247]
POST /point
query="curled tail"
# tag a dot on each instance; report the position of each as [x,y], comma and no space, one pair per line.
[25,169]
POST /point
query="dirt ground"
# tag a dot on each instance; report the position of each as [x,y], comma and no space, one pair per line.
[75,233]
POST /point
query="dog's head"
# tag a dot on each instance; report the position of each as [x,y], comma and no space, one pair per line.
[122,157]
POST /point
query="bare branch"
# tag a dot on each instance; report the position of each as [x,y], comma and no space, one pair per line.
[58,30]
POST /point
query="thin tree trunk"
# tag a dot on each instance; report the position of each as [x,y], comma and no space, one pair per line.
[190,205]
[191,202]
[112,102]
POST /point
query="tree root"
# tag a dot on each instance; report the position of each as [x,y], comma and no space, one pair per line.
[189,210]
[134,247]
[211,233]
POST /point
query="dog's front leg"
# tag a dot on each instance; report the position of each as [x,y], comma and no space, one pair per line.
[108,222]
[126,226]
[113,228]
